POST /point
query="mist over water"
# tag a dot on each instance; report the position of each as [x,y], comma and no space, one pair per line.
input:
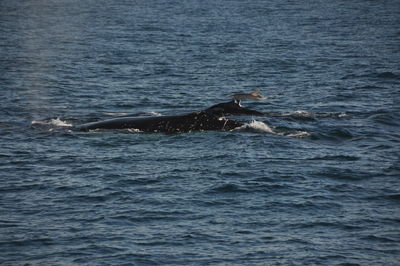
[315,181]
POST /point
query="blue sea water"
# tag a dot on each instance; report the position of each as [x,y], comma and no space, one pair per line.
[314,182]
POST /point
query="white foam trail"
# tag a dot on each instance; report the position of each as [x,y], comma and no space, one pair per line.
[53,122]
[299,134]
[299,113]
[343,115]
[305,114]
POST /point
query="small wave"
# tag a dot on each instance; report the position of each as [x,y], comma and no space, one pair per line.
[380,75]
[227,188]
[392,197]
[336,157]
[344,174]
[385,119]
[299,113]
[299,134]
[334,135]
[341,133]
[52,122]
[387,75]
[381,239]
[332,115]
[6,224]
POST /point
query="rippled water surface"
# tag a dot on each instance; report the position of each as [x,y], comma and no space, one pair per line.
[315,181]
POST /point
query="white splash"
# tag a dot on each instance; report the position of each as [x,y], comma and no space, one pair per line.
[256,126]
[53,122]
[261,127]
[134,130]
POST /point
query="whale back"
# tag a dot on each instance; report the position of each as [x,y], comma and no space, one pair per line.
[198,121]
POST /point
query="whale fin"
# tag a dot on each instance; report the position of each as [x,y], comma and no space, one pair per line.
[237,101]
[256,93]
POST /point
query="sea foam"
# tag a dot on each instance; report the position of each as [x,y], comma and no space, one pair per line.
[53,122]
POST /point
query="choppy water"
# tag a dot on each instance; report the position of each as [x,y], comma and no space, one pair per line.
[316,181]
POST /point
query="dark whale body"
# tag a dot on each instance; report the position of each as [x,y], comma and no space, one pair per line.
[212,118]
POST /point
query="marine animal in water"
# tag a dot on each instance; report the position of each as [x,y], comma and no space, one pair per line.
[255,95]
[213,118]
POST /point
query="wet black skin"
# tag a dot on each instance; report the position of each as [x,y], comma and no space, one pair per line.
[212,118]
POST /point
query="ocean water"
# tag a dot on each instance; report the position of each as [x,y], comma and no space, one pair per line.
[314,182]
